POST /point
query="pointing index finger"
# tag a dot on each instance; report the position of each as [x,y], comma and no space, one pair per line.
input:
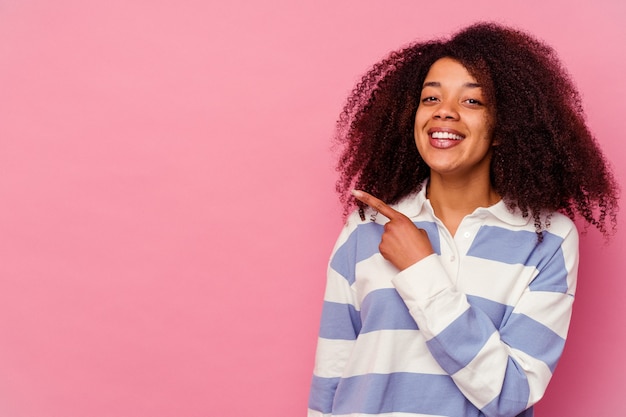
[378,205]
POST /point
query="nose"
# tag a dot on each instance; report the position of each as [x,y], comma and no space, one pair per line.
[446,110]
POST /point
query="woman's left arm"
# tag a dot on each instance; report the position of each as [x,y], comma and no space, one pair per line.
[504,370]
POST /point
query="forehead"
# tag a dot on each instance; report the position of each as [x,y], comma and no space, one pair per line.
[449,71]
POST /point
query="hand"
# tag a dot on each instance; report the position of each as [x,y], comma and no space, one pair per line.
[402,243]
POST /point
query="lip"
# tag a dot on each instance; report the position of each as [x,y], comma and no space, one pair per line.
[440,143]
[446,130]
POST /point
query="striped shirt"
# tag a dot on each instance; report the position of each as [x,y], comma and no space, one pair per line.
[475,329]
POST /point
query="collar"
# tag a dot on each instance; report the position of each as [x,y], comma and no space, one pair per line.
[416,203]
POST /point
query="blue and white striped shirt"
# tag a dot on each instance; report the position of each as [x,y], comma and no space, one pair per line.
[475,329]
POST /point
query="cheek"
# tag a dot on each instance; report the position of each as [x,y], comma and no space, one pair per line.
[489,134]
[420,116]
[420,139]
[420,121]
[418,131]
[490,123]
[483,126]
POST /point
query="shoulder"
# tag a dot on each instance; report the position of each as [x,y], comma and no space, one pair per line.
[562,226]
[355,228]
[553,222]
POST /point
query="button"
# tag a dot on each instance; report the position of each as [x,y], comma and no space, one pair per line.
[467,234]
[452,258]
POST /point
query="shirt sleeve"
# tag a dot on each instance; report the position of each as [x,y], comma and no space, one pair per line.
[501,370]
[340,324]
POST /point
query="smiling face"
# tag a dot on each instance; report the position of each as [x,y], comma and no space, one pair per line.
[454,122]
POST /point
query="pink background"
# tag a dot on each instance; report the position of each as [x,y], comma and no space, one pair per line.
[167,205]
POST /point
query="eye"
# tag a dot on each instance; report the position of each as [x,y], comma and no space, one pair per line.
[474,102]
[429,99]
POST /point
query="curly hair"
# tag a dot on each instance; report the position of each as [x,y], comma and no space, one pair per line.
[546,159]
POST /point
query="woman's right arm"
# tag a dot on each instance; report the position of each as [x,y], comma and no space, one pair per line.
[339,327]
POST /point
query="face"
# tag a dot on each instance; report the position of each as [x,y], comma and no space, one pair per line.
[454,123]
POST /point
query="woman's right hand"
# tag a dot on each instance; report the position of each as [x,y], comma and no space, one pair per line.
[403,244]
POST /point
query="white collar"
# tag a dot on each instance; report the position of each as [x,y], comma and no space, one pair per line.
[413,204]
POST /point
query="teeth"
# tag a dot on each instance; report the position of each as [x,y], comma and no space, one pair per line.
[446,135]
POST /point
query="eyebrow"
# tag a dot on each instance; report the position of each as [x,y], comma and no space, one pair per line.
[438,84]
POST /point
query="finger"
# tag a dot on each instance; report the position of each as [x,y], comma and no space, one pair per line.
[376,204]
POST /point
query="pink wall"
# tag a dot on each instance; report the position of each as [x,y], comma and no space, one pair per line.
[167,204]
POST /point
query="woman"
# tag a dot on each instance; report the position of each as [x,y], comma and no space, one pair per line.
[452,294]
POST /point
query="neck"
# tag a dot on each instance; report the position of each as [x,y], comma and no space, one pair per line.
[454,198]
